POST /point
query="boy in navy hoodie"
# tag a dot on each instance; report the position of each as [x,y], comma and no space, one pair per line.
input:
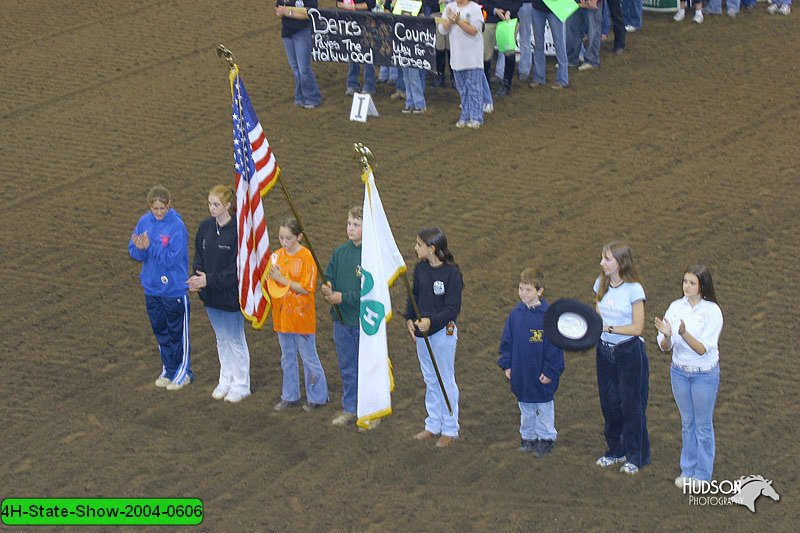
[532,365]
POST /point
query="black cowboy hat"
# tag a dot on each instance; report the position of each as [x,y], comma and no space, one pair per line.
[572,325]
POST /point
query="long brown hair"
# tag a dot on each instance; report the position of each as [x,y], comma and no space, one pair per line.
[705,281]
[627,270]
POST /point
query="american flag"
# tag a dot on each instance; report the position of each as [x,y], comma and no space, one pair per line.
[256,173]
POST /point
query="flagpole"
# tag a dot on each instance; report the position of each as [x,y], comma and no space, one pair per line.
[228,56]
[364,156]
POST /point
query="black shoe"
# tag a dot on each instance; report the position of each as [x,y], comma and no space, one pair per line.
[504,91]
[528,446]
[544,447]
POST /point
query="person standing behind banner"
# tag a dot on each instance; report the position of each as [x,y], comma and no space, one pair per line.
[691,329]
[297,41]
[216,282]
[497,11]
[588,18]
[632,14]
[161,243]
[623,373]
[354,69]
[541,14]
[293,279]
[437,290]
[463,21]
[343,291]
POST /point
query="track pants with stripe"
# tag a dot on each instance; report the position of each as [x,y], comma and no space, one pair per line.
[169,318]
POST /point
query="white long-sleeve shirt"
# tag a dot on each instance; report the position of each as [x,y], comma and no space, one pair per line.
[703,322]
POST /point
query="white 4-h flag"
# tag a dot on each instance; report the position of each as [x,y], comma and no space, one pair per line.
[381,264]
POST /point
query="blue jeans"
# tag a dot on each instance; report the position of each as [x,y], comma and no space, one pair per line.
[346,340]
[169,318]
[525,16]
[298,52]
[715,6]
[439,420]
[234,357]
[592,20]
[354,69]
[623,377]
[415,89]
[632,10]
[316,384]
[537,421]
[695,394]
[606,19]
[559,42]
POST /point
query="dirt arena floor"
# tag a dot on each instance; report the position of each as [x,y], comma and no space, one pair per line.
[686,147]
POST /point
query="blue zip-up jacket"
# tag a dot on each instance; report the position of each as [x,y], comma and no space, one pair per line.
[165,263]
[527,352]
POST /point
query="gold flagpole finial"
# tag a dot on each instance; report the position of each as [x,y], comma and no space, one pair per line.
[365,157]
[227,55]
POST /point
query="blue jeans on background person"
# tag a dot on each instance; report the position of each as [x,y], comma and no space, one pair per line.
[354,69]
[591,20]
[749,4]
[169,318]
[298,52]
[559,42]
[234,356]
[414,79]
[439,420]
[695,394]
[316,384]
[525,49]
[715,6]
[346,340]
[632,12]
[623,382]
[606,20]
[537,421]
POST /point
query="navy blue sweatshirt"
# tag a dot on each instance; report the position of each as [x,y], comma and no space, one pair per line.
[216,256]
[438,295]
[506,5]
[527,352]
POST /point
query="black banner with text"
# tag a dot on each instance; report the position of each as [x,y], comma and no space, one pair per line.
[374,38]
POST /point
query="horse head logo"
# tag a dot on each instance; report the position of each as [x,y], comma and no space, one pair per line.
[750,488]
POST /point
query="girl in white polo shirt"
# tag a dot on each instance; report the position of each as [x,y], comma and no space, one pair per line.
[691,328]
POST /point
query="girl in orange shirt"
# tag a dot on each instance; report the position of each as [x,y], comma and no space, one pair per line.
[293,278]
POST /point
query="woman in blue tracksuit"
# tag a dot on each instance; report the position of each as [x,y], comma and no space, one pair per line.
[160,242]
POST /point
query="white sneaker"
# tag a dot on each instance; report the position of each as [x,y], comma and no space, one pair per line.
[629,468]
[630,29]
[698,16]
[344,419]
[178,386]
[488,108]
[785,9]
[607,460]
[461,124]
[680,15]
[683,481]
[772,9]
[162,382]
[474,124]
[219,392]
[236,397]
[586,66]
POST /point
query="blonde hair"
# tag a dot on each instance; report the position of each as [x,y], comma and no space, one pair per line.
[223,192]
[627,270]
[532,276]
